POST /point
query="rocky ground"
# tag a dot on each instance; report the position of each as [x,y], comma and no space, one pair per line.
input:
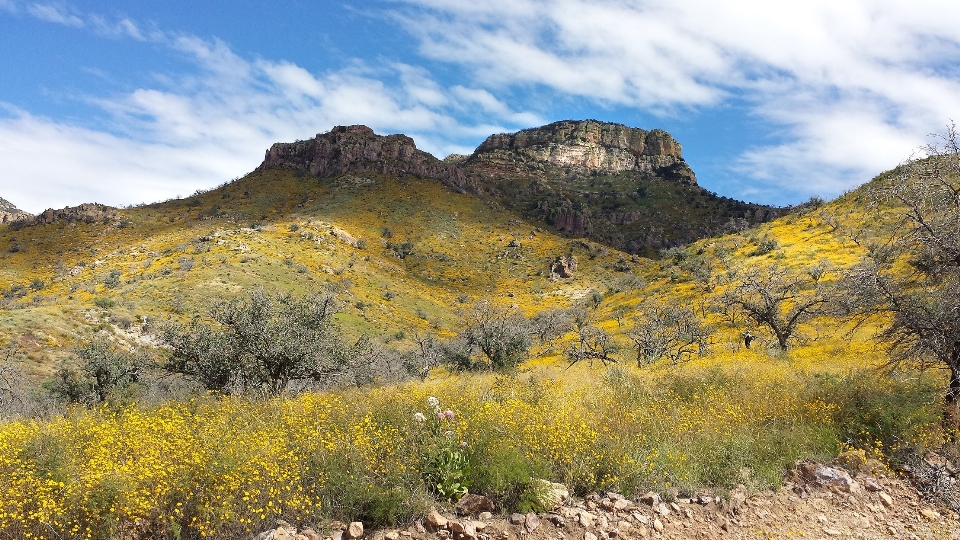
[820,502]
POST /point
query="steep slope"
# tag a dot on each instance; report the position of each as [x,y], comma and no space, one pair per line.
[9,212]
[626,187]
[402,253]
[623,186]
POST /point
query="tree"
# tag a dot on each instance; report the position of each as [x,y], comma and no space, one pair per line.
[106,369]
[778,300]
[910,275]
[593,343]
[501,335]
[661,330]
[262,342]
[550,324]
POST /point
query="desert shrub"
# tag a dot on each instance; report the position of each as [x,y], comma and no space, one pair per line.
[104,302]
[105,371]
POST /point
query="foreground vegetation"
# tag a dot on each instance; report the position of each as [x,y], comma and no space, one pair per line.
[219,467]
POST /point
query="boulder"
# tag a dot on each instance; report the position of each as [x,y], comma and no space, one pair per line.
[472,504]
[828,477]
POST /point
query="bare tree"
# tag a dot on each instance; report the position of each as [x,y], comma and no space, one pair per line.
[911,273]
[670,331]
[550,324]
[593,343]
[778,300]
[501,335]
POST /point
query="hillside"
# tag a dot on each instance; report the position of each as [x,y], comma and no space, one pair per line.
[626,187]
[400,236]
[646,383]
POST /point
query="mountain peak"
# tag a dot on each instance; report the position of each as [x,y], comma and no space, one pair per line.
[591,145]
[353,149]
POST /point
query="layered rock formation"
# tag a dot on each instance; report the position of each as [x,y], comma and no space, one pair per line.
[591,146]
[9,212]
[627,187]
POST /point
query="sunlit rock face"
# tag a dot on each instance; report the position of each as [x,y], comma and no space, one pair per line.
[593,146]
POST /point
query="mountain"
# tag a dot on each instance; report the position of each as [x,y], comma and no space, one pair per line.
[404,239]
[626,187]
[9,212]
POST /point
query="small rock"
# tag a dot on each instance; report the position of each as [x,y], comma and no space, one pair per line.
[517,519]
[586,519]
[557,520]
[607,504]
[336,535]
[436,520]
[658,525]
[704,499]
[589,536]
[675,507]
[930,514]
[887,500]
[282,533]
[455,527]
[354,530]
[479,525]
[662,509]
[392,535]
[650,498]
[472,504]
[624,526]
[832,532]
[640,518]
[485,515]
[311,534]
[621,504]
[871,483]
[531,522]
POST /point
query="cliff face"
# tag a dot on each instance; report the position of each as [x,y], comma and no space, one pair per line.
[627,187]
[590,145]
[353,149]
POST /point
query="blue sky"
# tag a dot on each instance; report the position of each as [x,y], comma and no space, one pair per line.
[123,102]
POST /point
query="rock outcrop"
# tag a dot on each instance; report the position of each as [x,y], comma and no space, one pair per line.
[357,149]
[84,213]
[627,187]
[10,213]
[590,145]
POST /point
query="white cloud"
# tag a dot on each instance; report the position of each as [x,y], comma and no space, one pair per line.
[54,14]
[196,131]
[851,87]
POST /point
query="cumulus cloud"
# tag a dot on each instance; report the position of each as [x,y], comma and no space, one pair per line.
[848,87]
[196,130]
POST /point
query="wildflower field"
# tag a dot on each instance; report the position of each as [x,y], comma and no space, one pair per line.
[222,467]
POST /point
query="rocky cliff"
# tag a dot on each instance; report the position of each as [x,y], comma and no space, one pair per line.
[627,187]
[353,149]
[590,146]
[9,212]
